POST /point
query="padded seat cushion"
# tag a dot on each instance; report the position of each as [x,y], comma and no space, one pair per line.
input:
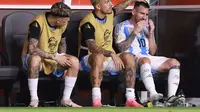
[8,72]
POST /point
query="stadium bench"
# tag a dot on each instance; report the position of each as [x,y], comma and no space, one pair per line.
[15,27]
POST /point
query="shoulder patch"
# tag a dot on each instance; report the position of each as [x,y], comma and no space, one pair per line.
[35,24]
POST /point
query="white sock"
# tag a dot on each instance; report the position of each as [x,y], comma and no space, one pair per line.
[130,93]
[147,78]
[173,81]
[69,85]
[96,93]
[33,85]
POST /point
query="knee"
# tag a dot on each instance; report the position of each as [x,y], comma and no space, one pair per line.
[127,58]
[96,59]
[98,56]
[144,60]
[173,63]
[34,61]
[74,61]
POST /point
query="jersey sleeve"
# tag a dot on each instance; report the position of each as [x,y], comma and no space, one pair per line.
[88,31]
[119,34]
[34,30]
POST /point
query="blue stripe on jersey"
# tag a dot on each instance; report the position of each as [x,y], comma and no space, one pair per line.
[142,43]
[144,50]
[126,32]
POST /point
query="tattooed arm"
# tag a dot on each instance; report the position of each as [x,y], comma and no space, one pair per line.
[124,45]
[96,49]
[34,50]
[88,31]
[121,6]
[88,34]
[93,48]
[34,36]
[62,46]
[123,42]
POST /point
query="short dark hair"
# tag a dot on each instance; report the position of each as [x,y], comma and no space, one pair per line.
[141,3]
[60,9]
[94,2]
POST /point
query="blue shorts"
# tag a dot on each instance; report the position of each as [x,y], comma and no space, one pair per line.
[108,65]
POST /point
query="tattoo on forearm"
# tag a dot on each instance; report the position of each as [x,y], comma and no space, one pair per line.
[130,77]
[96,49]
[62,46]
[121,6]
[34,50]
[124,45]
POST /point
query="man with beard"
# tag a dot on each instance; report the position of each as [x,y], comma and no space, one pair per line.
[97,53]
[136,36]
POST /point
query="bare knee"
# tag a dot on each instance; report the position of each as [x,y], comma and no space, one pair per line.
[34,66]
[34,61]
[74,61]
[173,63]
[127,58]
[144,60]
[96,60]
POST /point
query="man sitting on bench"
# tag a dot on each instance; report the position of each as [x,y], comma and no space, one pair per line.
[136,36]
[96,31]
[45,48]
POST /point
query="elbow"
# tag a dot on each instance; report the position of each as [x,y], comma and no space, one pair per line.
[119,48]
[92,50]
